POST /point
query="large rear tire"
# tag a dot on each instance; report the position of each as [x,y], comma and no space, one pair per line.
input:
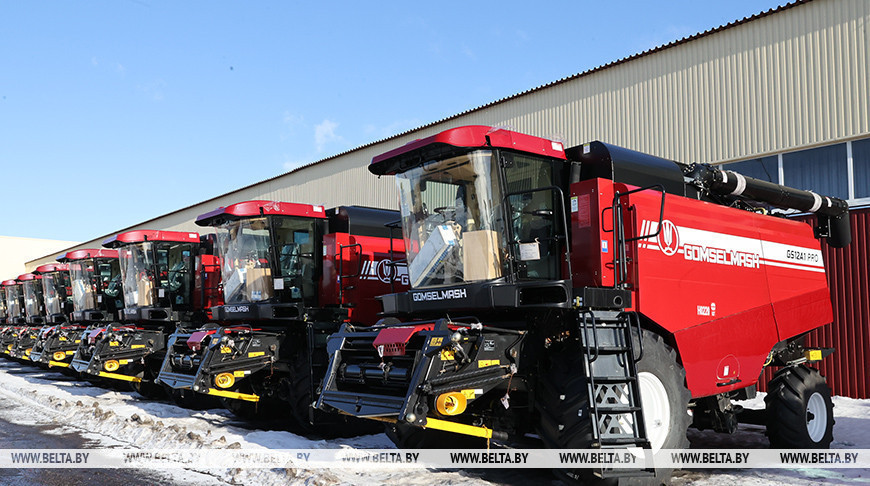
[563,404]
[800,414]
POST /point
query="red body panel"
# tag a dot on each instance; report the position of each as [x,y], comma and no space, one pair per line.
[595,267]
[727,283]
[207,283]
[367,271]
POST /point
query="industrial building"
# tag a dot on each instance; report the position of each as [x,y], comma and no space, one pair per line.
[781,96]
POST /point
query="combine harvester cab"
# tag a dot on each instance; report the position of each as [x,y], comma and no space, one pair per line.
[34,312]
[290,274]
[95,276]
[58,339]
[158,275]
[15,316]
[3,313]
[595,297]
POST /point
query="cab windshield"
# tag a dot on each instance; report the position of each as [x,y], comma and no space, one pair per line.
[137,274]
[460,226]
[13,301]
[245,248]
[3,308]
[91,280]
[82,276]
[156,274]
[452,220]
[54,286]
[33,297]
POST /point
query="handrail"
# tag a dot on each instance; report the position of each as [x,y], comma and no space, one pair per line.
[620,255]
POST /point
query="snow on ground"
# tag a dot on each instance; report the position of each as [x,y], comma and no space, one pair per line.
[114,418]
[119,419]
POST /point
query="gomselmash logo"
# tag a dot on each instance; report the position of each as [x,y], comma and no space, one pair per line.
[702,246]
[668,238]
[439,295]
[697,245]
[385,271]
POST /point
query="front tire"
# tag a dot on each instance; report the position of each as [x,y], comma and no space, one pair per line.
[563,403]
[800,414]
[300,395]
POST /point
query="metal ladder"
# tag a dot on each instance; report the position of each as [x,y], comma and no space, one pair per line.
[614,391]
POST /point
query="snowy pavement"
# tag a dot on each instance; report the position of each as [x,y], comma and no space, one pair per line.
[119,419]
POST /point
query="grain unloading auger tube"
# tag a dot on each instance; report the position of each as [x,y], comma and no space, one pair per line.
[592,297]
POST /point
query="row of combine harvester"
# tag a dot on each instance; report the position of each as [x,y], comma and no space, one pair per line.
[590,297]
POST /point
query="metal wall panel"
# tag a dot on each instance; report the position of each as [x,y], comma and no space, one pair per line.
[849,279]
[790,80]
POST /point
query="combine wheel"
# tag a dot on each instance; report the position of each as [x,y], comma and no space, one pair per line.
[563,404]
[243,408]
[800,414]
[148,387]
[186,398]
[297,388]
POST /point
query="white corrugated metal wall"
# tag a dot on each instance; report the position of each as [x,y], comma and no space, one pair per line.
[792,79]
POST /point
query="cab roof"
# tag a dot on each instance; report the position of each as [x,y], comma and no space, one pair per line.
[10,282]
[139,236]
[249,209]
[29,276]
[87,253]
[414,153]
[52,267]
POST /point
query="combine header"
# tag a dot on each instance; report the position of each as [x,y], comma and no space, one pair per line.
[290,274]
[595,297]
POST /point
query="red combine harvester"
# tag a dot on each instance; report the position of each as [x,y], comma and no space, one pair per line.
[290,274]
[34,312]
[58,339]
[162,274]
[595,297]
[97,293]
[14,294]
[15,316]
[3,313]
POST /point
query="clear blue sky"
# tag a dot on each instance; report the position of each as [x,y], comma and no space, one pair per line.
[114,112]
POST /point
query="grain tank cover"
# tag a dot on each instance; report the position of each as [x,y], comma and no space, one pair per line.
[361,221]
[605,161]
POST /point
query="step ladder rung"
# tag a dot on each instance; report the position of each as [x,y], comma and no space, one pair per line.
[617,410]
[613,380]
